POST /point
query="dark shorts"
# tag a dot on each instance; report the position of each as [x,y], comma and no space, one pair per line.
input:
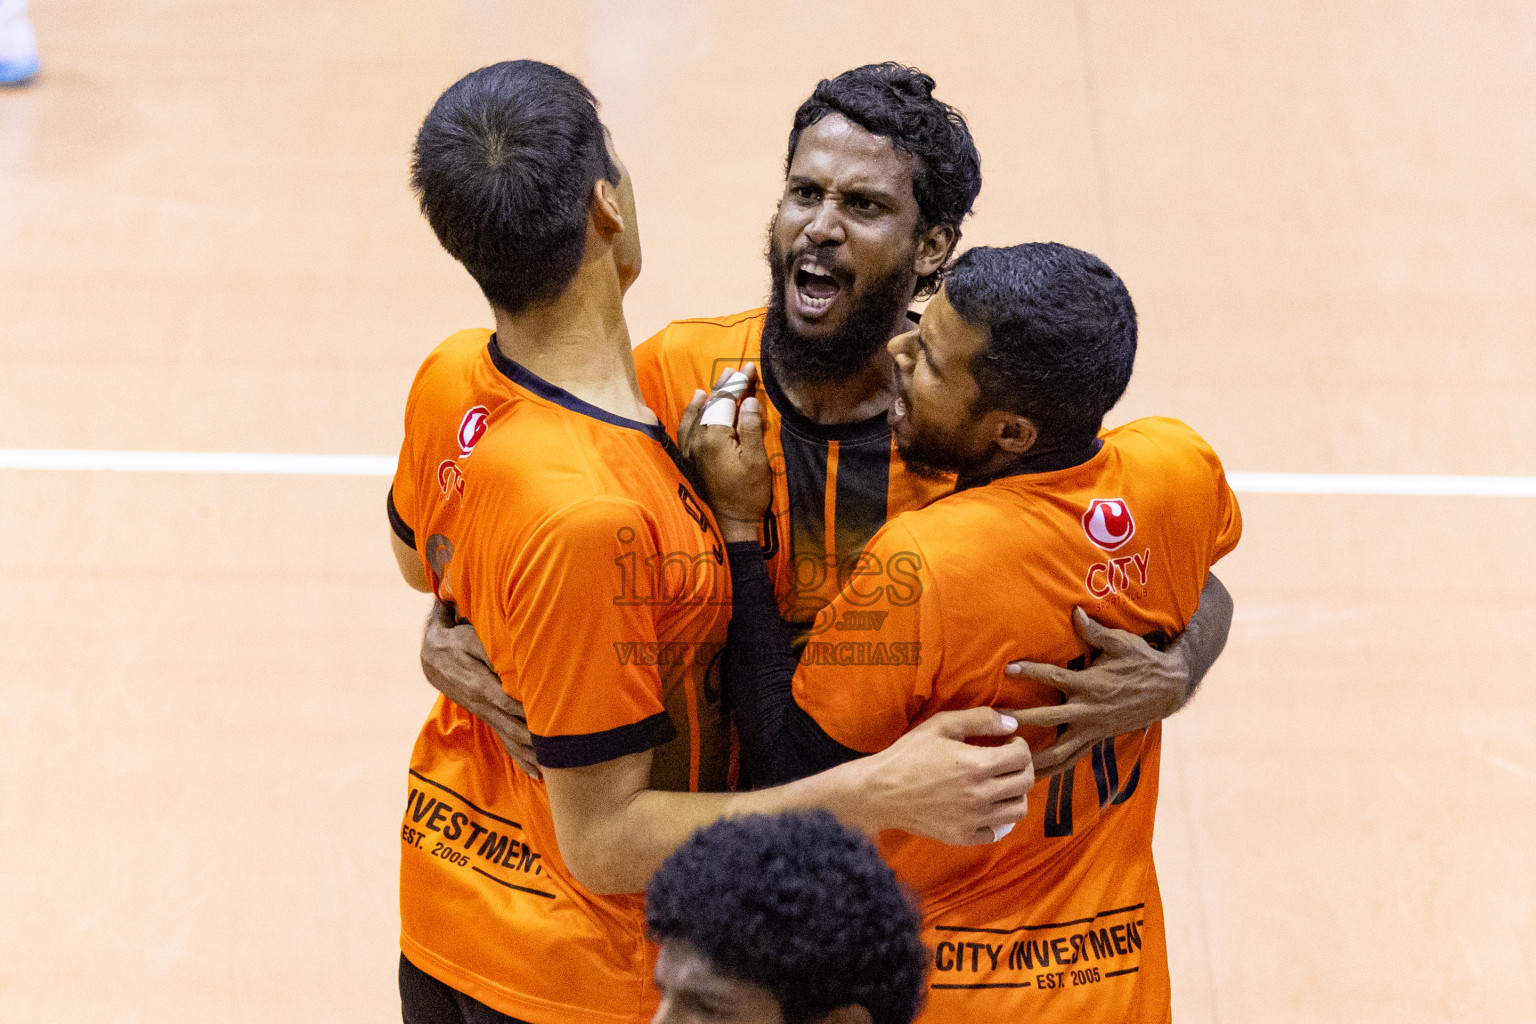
[425,1000]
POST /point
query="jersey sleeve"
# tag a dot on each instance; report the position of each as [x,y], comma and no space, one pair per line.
[402,503]
[867,678]
[571,627]
[1228,517]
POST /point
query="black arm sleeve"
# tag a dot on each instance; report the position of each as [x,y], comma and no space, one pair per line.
[780,742]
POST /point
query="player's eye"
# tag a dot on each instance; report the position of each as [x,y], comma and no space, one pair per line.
[805,193]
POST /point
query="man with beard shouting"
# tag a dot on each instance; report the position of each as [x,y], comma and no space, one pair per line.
[879,177]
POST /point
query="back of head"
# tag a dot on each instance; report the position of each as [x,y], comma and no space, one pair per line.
[799,905]
[896,101]
[504,168]
[1061,334]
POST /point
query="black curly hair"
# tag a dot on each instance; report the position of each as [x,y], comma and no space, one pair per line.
[897,102]
[1061,334]
[799,905]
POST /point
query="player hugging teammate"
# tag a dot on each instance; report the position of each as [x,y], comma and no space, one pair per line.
[539,496]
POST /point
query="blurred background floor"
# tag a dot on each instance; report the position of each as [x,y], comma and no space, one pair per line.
[208,687]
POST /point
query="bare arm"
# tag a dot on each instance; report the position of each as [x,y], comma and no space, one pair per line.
[455,663]
[1131,685]
[614,832]
[410,564]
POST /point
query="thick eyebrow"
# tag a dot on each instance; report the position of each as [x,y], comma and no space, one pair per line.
[927,351]
[873,193]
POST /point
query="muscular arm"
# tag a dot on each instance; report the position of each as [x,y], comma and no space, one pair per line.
[410,565]
[1205,637]
[1131,685]
[613,831]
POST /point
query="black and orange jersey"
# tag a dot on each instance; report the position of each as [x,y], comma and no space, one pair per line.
[834,486]
[595,578]
[1061,920]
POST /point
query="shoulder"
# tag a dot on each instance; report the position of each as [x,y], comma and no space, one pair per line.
[1172,446]
[446,372]
[945,533]
[706,336]
[454,355]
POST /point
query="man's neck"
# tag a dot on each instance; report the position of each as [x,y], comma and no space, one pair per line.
[859,396]
[1045,458]
[579,342]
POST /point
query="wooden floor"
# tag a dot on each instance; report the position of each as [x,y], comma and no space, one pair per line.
[1326,210]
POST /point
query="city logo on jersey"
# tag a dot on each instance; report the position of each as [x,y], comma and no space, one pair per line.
[471,427]
[450,478]
[1108,523]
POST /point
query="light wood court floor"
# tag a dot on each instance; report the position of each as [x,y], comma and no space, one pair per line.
[1326,210]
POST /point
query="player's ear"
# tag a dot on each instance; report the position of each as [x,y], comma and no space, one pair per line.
[603,211]
[853,1013]
[1013,433]
[933,248]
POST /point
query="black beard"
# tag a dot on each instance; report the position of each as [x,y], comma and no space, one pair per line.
[931,460]
[798,360]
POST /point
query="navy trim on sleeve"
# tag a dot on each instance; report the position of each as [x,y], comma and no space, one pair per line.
[404,532]
[596,747]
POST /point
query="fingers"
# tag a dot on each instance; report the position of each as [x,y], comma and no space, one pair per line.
[691,414]
[1054,675]
[958,725]
[469,642]
[1010,768]
[1113,641]
[996,823]
[1063,754]
[721,406]
[1050,715]
[749,429]
[520,750]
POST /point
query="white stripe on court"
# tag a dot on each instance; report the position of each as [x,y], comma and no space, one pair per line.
[284,464]
[1384,483]
[289,464]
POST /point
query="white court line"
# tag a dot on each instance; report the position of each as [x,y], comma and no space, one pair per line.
[289,464]
[1384,483]
[284,464]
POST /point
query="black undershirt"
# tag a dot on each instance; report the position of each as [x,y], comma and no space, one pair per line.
[780,741]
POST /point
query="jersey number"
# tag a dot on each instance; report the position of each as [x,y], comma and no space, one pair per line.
[1106,772]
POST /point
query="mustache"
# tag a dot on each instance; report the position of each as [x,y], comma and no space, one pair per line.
[826,258]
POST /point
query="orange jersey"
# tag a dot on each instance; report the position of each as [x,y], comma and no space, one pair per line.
[595,577]
[834,486]
[1061,920]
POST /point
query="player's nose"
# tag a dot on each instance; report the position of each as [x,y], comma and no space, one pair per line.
[826,225]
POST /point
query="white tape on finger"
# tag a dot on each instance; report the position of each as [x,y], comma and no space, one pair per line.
[720,412]
[735,385]
[998,831]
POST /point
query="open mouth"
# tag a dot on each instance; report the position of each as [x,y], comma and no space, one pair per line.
[816,288]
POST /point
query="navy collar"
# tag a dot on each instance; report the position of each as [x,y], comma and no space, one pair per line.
[530,381]
[1046,460]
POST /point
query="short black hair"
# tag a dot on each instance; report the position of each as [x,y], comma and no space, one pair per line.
[799,905]
[1061,334]
[504,167]
[897,102]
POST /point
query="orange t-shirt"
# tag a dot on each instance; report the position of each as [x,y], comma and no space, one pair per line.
[834,486]
[1060,921]
[596,579]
